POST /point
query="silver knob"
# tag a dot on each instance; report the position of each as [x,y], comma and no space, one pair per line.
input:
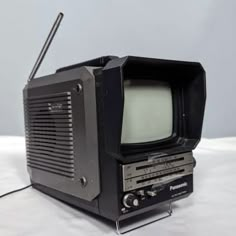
[130,200]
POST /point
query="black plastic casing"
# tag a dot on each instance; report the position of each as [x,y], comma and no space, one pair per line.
[187,81]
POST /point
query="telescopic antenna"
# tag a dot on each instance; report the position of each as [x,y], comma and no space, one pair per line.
[46,46]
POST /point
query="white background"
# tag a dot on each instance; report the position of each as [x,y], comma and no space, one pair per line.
[202,30]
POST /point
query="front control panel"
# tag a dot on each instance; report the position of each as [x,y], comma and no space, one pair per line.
[140,198]
[154,181]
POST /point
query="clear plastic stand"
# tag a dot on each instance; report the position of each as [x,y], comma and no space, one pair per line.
[120,230]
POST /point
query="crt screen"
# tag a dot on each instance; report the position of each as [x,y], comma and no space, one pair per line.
[148,111]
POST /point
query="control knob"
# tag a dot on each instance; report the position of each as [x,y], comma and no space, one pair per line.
[130,200]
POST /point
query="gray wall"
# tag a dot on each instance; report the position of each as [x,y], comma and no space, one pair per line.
[202,30]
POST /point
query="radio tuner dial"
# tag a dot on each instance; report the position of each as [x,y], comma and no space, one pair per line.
[130,200]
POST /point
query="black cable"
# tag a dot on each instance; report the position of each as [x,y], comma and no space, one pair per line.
[14,191]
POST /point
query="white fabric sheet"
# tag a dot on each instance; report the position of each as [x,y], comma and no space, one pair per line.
[210,210]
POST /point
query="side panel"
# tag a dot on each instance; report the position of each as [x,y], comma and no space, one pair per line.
[61,133]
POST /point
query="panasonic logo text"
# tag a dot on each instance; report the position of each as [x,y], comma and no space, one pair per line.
[185,184]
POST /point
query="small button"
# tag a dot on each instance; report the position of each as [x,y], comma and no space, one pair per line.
[151,193]
[140,193]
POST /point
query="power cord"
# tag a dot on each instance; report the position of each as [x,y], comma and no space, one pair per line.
[14,191]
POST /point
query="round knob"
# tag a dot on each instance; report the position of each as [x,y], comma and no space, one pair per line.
[130,200]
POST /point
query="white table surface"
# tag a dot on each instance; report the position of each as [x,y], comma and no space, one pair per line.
[210,210]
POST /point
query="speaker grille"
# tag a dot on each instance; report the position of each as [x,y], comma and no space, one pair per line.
[49,138]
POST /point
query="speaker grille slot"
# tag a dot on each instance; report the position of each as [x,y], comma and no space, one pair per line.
[49,138]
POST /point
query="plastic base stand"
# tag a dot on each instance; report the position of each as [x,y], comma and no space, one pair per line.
[120,230]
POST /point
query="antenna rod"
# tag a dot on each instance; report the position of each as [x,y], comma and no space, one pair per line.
[46,46]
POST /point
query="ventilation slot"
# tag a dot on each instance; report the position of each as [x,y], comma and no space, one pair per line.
[49,139]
